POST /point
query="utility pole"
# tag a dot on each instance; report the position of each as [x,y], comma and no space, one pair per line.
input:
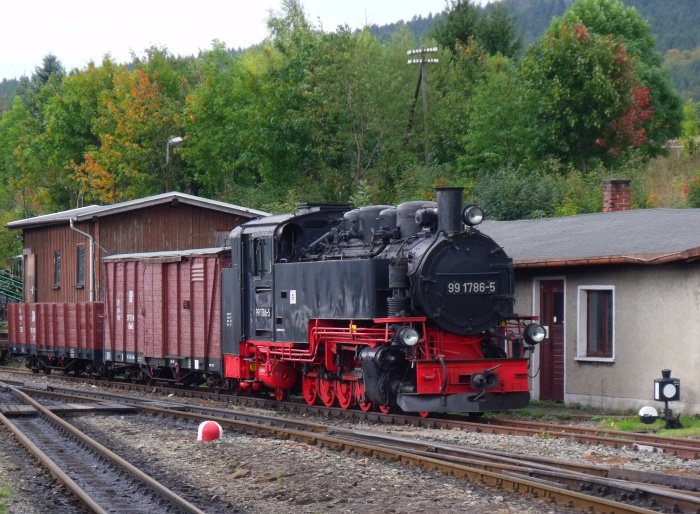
[422,81]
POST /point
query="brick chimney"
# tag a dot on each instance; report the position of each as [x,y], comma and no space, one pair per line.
[616,195]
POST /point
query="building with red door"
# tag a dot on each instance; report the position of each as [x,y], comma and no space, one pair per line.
[619,293]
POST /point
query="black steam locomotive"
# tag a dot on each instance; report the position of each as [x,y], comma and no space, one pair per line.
[408,306]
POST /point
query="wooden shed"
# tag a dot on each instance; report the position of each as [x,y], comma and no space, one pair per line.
[63,251]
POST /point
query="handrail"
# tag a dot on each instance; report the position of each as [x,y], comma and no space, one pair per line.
[10,286]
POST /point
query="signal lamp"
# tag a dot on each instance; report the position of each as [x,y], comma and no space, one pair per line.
[667,389]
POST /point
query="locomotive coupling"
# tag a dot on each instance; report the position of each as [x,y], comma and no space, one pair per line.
[486,380]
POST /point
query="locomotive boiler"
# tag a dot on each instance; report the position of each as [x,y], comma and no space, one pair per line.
[408,306]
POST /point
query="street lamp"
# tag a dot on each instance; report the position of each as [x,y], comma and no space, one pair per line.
[176,141]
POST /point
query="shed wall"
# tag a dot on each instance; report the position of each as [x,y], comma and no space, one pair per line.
[657,327]
[166,228]
[44,242]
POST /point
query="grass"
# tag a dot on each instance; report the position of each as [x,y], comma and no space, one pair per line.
[691,426]
[4,493]
[623,421]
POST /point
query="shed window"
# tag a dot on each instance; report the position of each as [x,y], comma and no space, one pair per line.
[56,269]
[596,323]
[80,266]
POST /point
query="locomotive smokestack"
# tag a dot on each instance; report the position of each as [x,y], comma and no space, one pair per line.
[449,208]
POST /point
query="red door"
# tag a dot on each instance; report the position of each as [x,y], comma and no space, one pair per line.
[552,348]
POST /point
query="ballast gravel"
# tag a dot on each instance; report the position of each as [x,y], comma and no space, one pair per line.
[244,474]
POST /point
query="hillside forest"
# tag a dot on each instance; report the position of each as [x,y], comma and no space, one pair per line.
[529,129]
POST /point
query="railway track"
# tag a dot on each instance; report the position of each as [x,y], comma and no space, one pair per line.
[101,480]
[681,447]
[590,488]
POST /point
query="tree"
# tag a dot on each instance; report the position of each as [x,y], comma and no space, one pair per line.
[691,126]
[584,84]
[70,119]
[628,28]
[216,113]
[50,66]
[463,21]
[16,189]
[136,120]
[498,31]
[460,23]
[500,129]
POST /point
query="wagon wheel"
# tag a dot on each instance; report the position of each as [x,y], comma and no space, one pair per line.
[233,386]
[327,392]
[280,394]
[309,388]
[345,393]
[364,406]
[424,414]
[385,409]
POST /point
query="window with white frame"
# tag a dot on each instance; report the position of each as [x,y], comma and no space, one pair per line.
[596,323]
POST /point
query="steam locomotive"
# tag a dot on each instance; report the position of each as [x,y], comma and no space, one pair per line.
[383,307]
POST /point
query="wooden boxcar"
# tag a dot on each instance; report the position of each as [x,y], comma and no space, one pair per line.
[163,314]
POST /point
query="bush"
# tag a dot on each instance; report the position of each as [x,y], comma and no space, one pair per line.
[511,194]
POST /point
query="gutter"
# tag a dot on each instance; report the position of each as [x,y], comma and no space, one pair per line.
[90,259]
[642,259]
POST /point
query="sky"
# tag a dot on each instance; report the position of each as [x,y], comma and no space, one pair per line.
[79,31]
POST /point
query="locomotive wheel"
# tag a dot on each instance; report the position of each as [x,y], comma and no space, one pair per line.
[232,386]
[384,409]
[327,392]
[424,414]
[309,388]
[360,393]
[345,393]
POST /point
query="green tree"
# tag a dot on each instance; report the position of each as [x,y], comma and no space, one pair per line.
[15,189]
[498,31]
[460,23]
[584,84]
[691,126]
[217,113]
[463,21]
[500,129]
[630,29]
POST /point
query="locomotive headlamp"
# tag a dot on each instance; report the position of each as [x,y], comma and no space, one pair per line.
[472,215]
[534,333]
[408,336]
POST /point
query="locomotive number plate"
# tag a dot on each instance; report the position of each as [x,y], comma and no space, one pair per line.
[471,287]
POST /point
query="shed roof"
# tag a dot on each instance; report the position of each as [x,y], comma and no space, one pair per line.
[96,211]
[643,236]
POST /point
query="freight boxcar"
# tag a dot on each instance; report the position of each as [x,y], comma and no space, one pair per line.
[163,315]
